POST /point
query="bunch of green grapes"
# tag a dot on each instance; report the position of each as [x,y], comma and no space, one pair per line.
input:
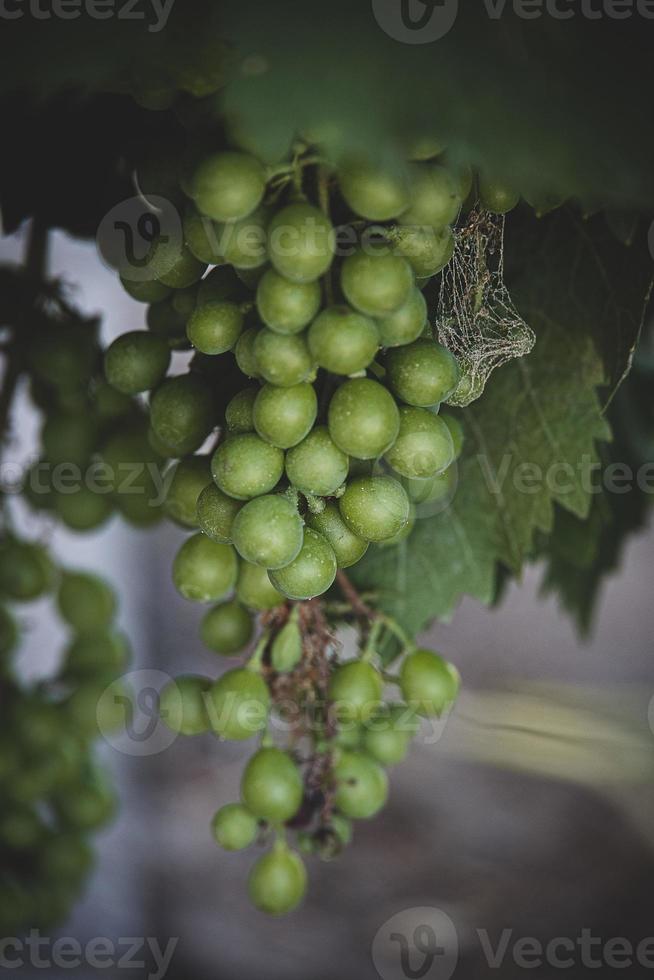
[54,795]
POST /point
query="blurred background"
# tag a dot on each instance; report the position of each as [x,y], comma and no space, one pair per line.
[530,809]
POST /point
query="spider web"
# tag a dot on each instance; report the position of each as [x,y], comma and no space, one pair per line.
[476,319]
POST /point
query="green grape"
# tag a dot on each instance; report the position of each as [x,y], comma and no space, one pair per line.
[429,683]
[316,465]
[497,196]
[36,725]
[184,301]
[9,633]
[362,786]
[100,650]
[543,201]
[66,857]
[375,507]
[272,786]
[92,708]
[433,489]
[424,445]
[428,251]
[278,881]
[64,358]
[348,547]
[376,282]
[219,285]
[83,510]
[267,531]
[243,243]
[424,147]
[110,404]
[250,278]
[182,412]
[287,647]
[363,418]
[285,306]
[343,341]
[204,570]
[69,438]
[245,354]
[284,416]
[201,237]
[423,373]
[146,292]
[375,194]
[228,186]
[86,806]
[216,512]
[456,432]
[406,324]
[239,414]
[183,704]
[254,588]
[234,827]
[215,327]
[403,533]
[166,322]
[435,197]
[20,829]
[190,477]
[282,359]
[301,243]
[388,734]
[26,571]
[174,265]
[311,573]
[246,466]
[238,705]
[227,628]
[136,361]
[132,464]
[355,690]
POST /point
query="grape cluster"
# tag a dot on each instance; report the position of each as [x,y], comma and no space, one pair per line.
[54,794]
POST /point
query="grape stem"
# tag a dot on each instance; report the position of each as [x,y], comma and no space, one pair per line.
[362,610]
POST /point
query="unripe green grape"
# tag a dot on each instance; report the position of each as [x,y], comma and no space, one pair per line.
[284,306]
[136,361]
[284,416]
[543,201]
[146,292]
[342,341]
[434,489]
[402,534]
[166,322]
[388,734]
[20,830]
[68,438]
[215,327]
[456,431]
[204,570]
[84,510]
[238,705]
[406,324]
[246,466]
[218,285]
[35,724]
[234,828]
[110,404]
[201,236]
[287,647]
[65,357]
[216,512]
[355,690]
[278,881]
[268,531]
[183,704]
[66,857]
[301,242]
[311,573]
[174,265]
[363,418]
[375,507]
[9,633]
[239,411]
[182,412]
[26,571]
[435,197]
[282,359]
[428,250]
[316,465]
[86,806]
[228,186]
[429,683]
[245,353]
[254,588]
[341,827]
[497,196]
[423,373]
[348,547]
[362,786]
[243,243]
[376,282]
[190,477]
[272,786]
[424,147]
[423,446]
[227,628]
[185,300]
[373,193]
[101,649]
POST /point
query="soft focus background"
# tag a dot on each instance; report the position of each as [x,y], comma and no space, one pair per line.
[531,811]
